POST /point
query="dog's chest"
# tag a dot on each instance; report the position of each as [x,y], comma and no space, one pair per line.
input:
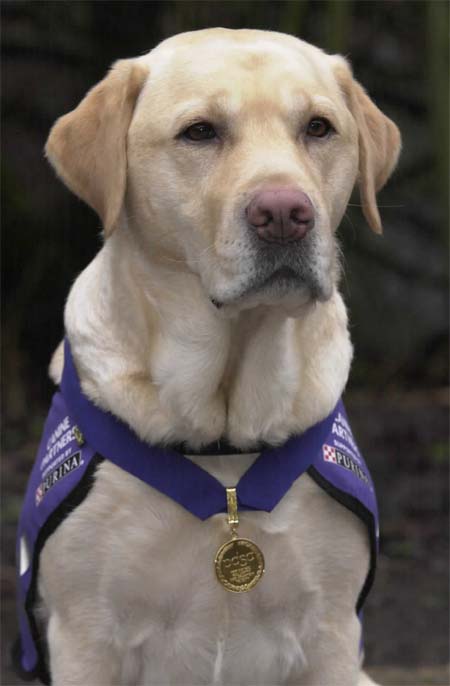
[141,568]
[196,391]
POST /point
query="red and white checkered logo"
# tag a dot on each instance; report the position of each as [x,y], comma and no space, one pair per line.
[329,454]
[39,494]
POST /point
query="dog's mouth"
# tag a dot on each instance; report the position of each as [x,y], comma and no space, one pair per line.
[285,277]
[282,282]
[276,286]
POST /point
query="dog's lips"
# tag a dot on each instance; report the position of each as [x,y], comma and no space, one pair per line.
[279,283]
[284,276]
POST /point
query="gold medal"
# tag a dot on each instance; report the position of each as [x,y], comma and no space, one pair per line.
[239,563]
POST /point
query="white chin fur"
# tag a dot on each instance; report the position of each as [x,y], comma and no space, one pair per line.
[292,303]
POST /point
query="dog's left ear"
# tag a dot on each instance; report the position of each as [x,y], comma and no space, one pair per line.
[379,142]
[88,146]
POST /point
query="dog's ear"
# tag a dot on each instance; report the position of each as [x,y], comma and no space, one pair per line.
[88,146]
[379,142]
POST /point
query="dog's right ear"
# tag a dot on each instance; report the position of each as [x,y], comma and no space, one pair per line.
[88,146]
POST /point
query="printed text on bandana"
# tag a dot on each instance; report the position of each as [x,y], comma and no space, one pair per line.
[59,458]
[66,467]
[344,451]
[334,455]
[343,437]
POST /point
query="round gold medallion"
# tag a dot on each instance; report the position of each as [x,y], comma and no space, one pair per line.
[239,565]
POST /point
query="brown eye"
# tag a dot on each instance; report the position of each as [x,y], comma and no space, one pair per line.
[200,132]
[319,127]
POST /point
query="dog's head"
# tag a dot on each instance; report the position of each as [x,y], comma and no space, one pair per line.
[234,152]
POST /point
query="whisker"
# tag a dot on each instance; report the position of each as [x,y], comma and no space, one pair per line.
[342,262]
[380,206]
[347,217]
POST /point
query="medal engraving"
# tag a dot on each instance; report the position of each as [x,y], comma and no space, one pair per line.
[239,565]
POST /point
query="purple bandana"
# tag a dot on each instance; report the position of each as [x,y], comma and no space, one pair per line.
[78,435]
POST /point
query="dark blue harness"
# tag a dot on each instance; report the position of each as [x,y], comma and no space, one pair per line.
[78,435]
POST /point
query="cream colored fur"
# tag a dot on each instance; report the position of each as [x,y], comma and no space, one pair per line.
[127,579]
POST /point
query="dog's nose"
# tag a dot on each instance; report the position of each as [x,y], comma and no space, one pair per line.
[280,215]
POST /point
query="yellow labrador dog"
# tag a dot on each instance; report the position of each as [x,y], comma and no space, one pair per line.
[220,164]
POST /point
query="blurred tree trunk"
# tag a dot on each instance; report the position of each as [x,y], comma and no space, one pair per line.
[438,100]
[13,394]
[337,25]
[292,18]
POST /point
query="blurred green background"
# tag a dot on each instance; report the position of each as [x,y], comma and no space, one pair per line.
[396,286]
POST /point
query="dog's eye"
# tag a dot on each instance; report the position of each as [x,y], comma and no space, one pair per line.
[319,127]
[200,132]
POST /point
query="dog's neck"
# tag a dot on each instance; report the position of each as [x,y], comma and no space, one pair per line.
[151,348]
